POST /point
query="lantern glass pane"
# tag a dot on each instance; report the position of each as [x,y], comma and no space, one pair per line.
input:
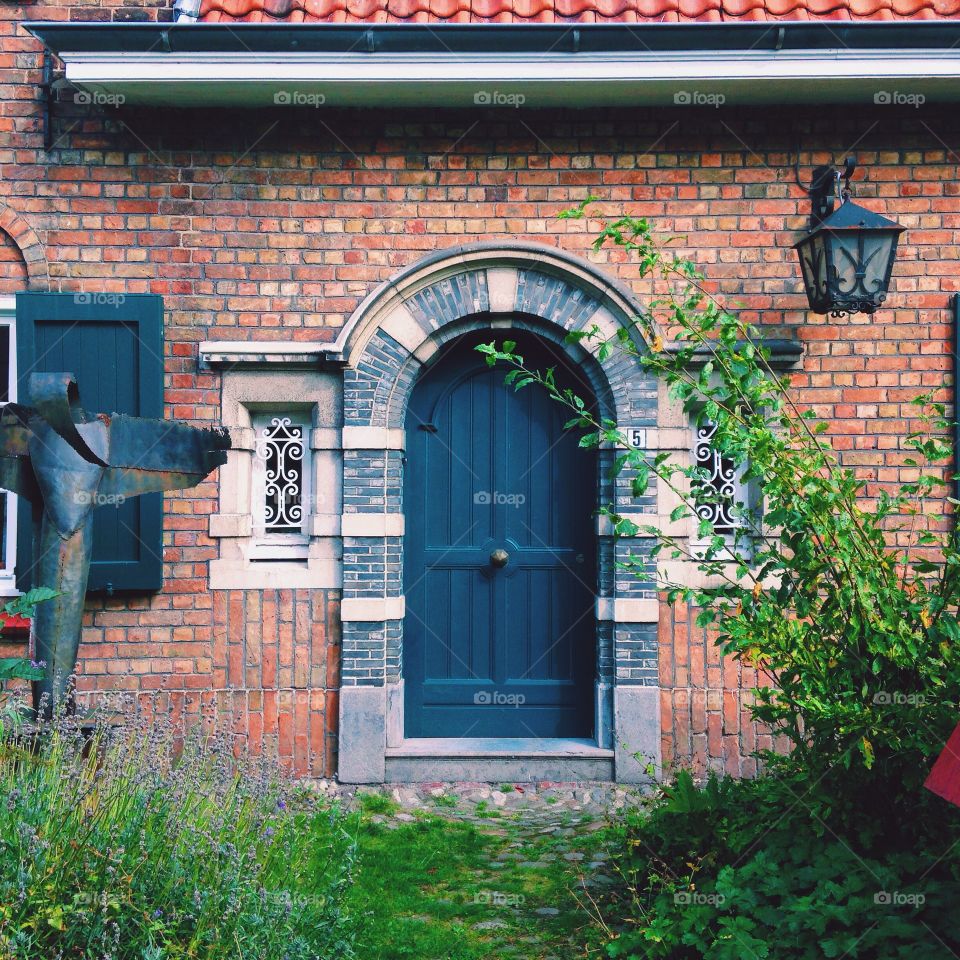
[813,264]
[806,268]
[845,261]
[877,249]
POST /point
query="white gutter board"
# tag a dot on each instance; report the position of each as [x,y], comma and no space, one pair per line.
[325,81]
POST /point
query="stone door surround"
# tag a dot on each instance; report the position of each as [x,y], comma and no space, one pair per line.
[394,333]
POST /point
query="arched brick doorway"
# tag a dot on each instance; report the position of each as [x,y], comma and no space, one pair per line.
[397,333]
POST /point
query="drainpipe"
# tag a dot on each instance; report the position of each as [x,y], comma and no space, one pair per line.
[956,406]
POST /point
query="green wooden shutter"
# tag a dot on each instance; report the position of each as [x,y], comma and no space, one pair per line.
[113,345]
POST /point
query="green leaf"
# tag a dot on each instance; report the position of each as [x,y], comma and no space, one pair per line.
[626,528]
[26,604]
[17,668]
[642,480]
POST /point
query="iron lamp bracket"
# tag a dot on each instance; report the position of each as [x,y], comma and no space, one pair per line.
[825,189]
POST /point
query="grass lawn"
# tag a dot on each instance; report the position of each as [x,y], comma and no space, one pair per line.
[428,885]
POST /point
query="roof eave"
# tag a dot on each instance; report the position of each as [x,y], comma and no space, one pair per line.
[526,65]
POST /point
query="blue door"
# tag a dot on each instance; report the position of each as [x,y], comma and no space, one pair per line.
[500,635]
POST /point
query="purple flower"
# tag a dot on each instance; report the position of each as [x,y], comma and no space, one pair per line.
[268,832]
[281,804]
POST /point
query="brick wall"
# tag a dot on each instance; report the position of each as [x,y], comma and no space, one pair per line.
[705,700]
[262,665]
[277,224]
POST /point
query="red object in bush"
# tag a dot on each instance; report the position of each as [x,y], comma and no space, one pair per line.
[944,779]
[11,626]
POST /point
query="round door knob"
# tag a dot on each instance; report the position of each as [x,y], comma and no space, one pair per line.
[499,558]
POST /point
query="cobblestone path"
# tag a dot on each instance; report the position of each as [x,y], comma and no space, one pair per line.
[508,871]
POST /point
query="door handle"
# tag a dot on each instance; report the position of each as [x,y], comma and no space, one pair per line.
[499,558]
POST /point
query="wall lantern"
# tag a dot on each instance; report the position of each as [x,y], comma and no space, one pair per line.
[847,257]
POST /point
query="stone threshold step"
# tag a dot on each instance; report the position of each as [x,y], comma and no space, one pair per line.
[498,748]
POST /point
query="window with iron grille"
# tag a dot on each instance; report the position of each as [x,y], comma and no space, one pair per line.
[281,486]
[720,494]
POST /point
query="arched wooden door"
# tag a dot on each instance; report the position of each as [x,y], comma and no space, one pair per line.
[500,633]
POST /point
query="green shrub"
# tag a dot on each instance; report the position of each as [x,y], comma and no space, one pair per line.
[743,869]
[130,844]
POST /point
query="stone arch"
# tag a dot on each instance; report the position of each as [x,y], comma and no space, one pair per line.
[394,333]
[402,323]
[13,269]
[394,399]
[28,244]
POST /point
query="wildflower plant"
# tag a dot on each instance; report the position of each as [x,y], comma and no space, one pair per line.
[137,842]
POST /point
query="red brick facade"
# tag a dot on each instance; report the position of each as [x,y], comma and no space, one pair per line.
[704,701]
[277,224]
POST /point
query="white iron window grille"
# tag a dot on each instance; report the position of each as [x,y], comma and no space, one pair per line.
[8,393]
[281,487]
[721,495]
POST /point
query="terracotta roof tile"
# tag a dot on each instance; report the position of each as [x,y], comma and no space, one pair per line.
[584,11]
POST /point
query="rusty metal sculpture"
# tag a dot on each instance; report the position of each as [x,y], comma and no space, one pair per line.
[67,462]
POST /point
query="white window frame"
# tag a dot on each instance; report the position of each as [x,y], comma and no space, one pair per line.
[273,545]
[8,583]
